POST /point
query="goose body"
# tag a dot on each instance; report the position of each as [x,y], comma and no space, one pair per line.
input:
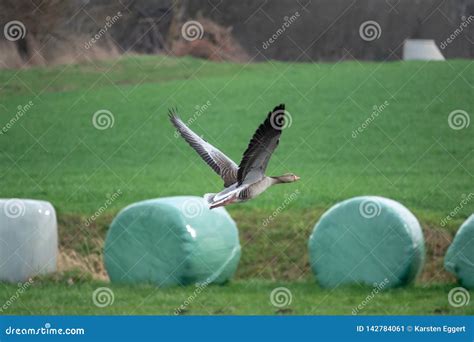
[235,194]
[248,180]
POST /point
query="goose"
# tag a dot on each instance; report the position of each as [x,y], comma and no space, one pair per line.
[247,180]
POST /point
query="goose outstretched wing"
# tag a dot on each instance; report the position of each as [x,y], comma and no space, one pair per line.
[263,143]
[218,161]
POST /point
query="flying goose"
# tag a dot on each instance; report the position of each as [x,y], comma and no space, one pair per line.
[247,180]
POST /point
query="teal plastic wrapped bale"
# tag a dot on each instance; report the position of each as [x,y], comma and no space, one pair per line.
[459,258]
[172,241]
[367,240]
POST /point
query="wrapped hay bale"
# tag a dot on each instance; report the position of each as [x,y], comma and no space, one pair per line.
[369,240]
[172,241]
[28,239]
[459,258]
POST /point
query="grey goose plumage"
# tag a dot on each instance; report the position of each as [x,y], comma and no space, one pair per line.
[247,180]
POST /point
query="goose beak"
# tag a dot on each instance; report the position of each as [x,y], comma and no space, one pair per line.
[297,178]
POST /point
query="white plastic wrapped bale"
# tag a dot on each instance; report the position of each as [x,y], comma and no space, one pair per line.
[422,50]
[28,239]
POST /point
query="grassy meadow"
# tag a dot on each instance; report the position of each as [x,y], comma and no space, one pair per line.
[406,151]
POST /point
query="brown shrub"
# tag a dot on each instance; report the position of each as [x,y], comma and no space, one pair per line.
[216,44]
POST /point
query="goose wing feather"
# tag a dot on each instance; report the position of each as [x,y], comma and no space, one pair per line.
[262,145]
[218,161]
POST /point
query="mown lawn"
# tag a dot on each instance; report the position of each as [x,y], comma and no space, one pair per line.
[407,152]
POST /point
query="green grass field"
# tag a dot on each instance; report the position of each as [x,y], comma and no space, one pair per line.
[408,152]
[249,297]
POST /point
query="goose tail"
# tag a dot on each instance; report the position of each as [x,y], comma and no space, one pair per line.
[209,198]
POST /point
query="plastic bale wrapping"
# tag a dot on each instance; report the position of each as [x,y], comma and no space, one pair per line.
[172,241]
[28,239]
[367,240]
[459,258]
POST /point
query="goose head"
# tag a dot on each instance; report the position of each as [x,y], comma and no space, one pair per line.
[286,178]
